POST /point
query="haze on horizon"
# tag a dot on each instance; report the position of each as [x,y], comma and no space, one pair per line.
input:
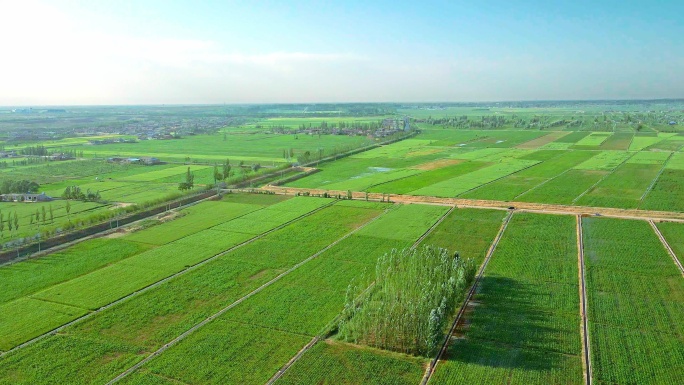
[183,52]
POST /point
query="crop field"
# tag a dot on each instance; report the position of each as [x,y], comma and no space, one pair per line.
[593,139]
[294,286]
[250,147]
[674,234]
[635,298]
[623,188]
[525,327]
[586,169]
[97,283]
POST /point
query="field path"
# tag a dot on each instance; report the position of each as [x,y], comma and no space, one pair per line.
[160,282]
[542,208]
[650,187]
[433,364]
[586,348]
[207,320]
[667,246]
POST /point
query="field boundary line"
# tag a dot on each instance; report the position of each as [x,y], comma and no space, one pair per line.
[434,226]
[495,180]
[650,187]
[160,282]
[317,338]
[433,363]
[603,178]
[667,246]
[541,184]
[292,361]
[254,292]
[586,347]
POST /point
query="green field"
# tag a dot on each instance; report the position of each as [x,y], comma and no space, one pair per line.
[239,287]
[525,327]
[585,169]
[635,298]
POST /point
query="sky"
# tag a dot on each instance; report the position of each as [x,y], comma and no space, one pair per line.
[213,52]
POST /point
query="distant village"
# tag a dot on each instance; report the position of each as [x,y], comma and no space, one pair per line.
[379,129]
[148,129]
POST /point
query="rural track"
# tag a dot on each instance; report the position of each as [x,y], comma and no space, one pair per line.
[542,208]
[586,348]
[655,180]
[320,336]
[667,246]
[602,178]
[445,344]
[159,283]
[212,317]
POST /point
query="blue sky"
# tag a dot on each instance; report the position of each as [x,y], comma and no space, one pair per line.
[178,52]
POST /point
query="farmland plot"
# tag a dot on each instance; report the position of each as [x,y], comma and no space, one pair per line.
[427,178]
[618,141]
[458,185]
[195,219]
[146,322]
[117,276]
[278,318]
[636,302]
[674,234]
[332,362]
[564,188]
[566,141]
[624,187]
[21,279]
[667,193]
[604,160]
[641,142]
[512,186]
[541,141]
[469,229]
[526,325]
[594,139]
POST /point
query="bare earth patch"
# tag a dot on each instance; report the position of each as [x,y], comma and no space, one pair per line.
[425,151]
[546,139]
[436,164]
[117,234]
[120,205]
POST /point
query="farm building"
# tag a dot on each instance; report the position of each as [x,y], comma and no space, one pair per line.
[144,160]
[25,197]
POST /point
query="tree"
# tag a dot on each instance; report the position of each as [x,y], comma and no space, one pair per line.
[190,178]
[189,181]
[9,222]
[2,222]
[217,175]
[43,214]
[52,218]
[226,169]
[68,209]
[16,221]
